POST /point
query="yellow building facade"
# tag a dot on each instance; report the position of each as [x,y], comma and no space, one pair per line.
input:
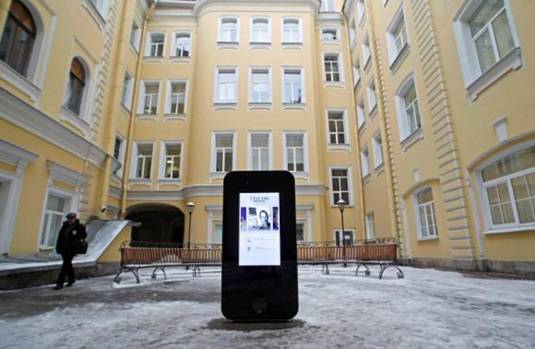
[135,109]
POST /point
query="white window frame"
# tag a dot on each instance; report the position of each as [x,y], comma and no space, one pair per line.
[475,80]
[250,149]
[163,160]
[133,167]
[397,22]
[366,51]
[127,91]
[8,206]
[141,99]
[135,36]
[356,74]
[302,76]
[213,161]
[349,185]
[304,173]
[402,118]
[352,33]
[236,85]
[371,93]
[327,6]
[361,11]
[361,114]
[251,31]
[148,44]
[426,205]
[340,62]
[220,32]
[168,100]
[70,206]
[337,34]
[378,155]
[492,228]
[365,162]
[299,27]
[338,146]
[270,85]
[122,155]
[370,226]
[174,45]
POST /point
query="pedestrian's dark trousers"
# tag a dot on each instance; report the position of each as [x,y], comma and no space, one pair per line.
[66,269]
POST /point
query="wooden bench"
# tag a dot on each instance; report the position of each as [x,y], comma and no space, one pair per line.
[134,258]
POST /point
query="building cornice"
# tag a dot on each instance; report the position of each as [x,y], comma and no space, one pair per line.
[332,18]
[17,112]
[66,175]
[201,4]
[208,190]
[16,156]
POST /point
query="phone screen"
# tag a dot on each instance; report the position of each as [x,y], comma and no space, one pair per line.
[259,229]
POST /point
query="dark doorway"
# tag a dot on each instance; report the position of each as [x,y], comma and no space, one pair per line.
[160,225]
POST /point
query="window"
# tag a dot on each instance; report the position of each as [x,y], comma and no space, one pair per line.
[349,239]
[425,209]
[337,128]
[101,6]
[259,156]
[135,36]
[143,160]
[176,98]
[340,187]
[327,6]
[149,98]
[370,226]
[226,86]
[329,34]
[396,36]
[377,150]
[356,74]
[118,154]
[223,152]
[352,32]
[300,232]
[509,189]
[76,87]
[260,30]
[18,38]
[295,149]
[332,68]
[155,45]
[228,30]
[291,30]
[361,116]
[408,109]
[56,208]
[361,10]
[372,97]
[491,33]
[171,160]
[366,53]
[126,96]
[293,86]
[365,162]
[260,86]
[487,42]
[217,237]
[182,45]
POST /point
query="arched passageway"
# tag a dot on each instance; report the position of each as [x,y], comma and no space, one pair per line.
[160,224]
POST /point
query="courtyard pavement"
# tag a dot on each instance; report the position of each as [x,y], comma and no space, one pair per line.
[427,309]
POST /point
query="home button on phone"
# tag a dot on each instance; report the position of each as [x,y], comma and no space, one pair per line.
[259,305]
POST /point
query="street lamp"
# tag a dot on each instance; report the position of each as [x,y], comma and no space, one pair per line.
[191,206]
[341,205]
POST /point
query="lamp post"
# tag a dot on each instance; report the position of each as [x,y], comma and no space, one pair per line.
[191,206]
[341,205]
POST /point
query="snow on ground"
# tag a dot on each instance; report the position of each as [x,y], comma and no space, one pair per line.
[427,309]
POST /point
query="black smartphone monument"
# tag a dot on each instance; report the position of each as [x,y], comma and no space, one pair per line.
[259,269]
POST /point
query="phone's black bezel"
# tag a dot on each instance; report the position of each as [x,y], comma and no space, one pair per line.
[259,293]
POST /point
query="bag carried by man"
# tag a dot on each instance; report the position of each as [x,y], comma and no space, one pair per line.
[79,246]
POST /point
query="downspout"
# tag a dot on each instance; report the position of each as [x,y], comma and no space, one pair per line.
[132,115]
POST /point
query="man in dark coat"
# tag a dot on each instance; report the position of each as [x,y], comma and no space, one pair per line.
[71,230]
